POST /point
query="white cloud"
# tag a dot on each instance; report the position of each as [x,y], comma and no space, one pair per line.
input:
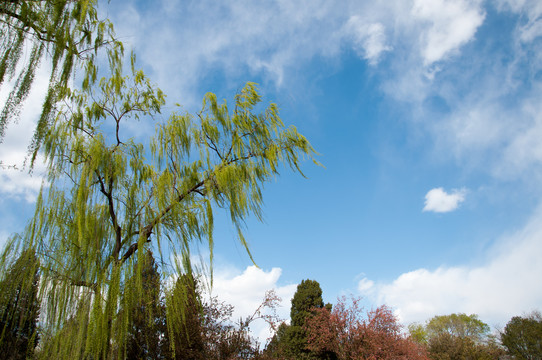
[452,24]
[365,285]
[440,201]
[246,290]
[505,285]
[18,183]
[369,38]
[490,134]
[182,44]
[532,11]
[494,121]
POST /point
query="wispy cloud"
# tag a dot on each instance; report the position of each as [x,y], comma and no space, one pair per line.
[182,43]
[531,9]
[438,200]
[278,36]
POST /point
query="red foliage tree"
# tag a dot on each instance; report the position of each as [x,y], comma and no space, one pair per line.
[345,333]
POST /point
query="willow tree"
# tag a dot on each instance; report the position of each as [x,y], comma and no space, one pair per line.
[66,33]
[110,198]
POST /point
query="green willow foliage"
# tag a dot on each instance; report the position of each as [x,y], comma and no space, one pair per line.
[111,198]
[65,32]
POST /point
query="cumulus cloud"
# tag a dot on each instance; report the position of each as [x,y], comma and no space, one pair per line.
[245,291]
[438,200]
[497,289]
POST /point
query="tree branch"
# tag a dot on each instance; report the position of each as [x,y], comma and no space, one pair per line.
[112,214]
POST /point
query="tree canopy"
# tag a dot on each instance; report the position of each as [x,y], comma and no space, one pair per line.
[456,336]
[348,332]
[522,336]
[460,325]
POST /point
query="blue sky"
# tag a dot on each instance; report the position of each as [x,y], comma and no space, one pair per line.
[427,116]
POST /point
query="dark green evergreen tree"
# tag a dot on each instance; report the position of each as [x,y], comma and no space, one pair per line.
[290,342]
[307,297]
[147,327]
[184,337]
[19,307]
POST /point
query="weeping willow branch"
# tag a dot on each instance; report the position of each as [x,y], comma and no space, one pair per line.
[65,33]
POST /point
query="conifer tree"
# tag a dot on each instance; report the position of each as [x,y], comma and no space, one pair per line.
[307,297]
[184,336]
[291,341]
[147,328]
[19,307]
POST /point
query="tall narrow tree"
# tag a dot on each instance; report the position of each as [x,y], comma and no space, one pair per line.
[19,307]
[292,341]
[184,337]
[147,326]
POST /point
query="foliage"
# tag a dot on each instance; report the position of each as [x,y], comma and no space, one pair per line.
[66,32]
[460,325]
[184,336]
[456,336]
[111,199]
[307,297]
[19,307]
[446,346]
[522,336]
[417,333]
[224,339]
[147,328]
[53,344]
[291,341]
[345,333]
[275,347]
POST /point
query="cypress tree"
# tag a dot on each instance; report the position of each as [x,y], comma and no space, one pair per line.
[19,307]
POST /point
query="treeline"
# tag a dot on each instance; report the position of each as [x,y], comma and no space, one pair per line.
[345,331]
[203,328]
[195,328]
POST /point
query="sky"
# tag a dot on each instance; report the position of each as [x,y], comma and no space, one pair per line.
[427,117]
